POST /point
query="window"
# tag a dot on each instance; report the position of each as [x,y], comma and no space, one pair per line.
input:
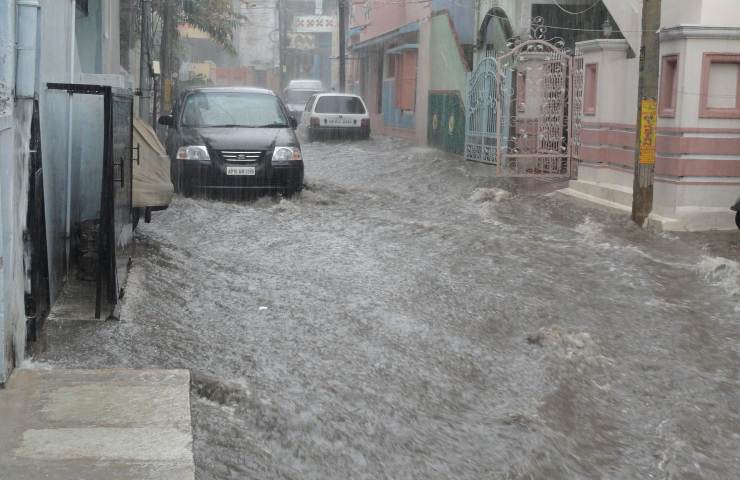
[260,78]
[391,65]
[406,81]
[340,104]
[591,89]
[82,7]
[720,86]
[668,86]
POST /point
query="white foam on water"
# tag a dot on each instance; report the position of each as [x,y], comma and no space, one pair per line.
[590,229]
[724,273]
[481,195]
[31,364]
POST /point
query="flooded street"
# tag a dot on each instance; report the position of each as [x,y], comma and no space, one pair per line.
[408,316]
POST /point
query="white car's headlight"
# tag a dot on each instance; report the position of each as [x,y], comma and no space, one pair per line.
[286,154]
[193,152]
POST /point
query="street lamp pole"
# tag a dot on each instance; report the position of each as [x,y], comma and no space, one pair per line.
[145,60]
[342,46]
[282,41]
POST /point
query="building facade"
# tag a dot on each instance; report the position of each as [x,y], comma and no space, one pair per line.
[697,169]
[41,42]
[411,62]
[389,45]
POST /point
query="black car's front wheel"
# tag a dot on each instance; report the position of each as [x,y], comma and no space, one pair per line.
[291,191]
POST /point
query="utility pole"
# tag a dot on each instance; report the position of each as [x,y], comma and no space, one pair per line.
[647,112]
[282,42]
[145,60]
[342,46]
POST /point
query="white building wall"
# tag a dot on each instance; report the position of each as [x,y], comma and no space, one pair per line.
[697,201]
[718,12]
[257,40]
[57,64]
[681,12]
[608,136]
[7,40]
[15,122]
[696,170]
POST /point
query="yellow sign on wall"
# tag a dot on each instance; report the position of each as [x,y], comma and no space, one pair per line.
[648,131]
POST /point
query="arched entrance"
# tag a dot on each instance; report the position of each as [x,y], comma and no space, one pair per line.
[494,33]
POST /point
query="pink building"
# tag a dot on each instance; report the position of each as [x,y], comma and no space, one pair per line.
[697,171]
[388,67]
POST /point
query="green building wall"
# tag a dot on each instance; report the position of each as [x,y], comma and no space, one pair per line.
[448,88]
[449,73]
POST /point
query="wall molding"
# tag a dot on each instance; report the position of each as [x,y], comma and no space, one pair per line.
[683,32]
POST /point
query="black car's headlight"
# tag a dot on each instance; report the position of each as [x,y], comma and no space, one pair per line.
[286,154]
[193,152]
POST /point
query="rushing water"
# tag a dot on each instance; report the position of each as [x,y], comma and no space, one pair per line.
[408,316]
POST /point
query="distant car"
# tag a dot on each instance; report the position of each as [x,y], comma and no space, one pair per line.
[335,115]
[230,139]
[298,92]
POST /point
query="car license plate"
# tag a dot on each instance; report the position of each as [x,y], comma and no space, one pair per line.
[240,171]
[340,121]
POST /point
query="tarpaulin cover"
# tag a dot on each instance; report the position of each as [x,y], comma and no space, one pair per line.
[152,183]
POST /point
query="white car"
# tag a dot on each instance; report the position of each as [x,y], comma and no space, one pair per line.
[335,115]
[297,94]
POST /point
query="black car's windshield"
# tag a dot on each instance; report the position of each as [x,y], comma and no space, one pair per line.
[339,104]
[232,109]
[298,97]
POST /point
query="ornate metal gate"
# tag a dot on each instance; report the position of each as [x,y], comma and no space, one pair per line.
[481,116]
[524,109]
[577,90]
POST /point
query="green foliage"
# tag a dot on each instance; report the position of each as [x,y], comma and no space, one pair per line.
[217,18]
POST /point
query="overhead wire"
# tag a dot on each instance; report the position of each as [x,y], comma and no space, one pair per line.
[557,4]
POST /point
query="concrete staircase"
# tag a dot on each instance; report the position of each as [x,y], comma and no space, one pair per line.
[628,15]
[606,194]
[96,424]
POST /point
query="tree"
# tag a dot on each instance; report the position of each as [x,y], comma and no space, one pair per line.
[217,18]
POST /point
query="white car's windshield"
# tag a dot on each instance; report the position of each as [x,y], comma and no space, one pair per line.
[233,109]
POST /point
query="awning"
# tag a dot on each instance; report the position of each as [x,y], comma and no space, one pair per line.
[409,28]
[356,30]
[401,48]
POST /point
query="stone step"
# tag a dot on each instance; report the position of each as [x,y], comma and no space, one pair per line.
[91,424]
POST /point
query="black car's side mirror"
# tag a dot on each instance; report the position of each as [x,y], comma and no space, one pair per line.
[168,120]
[293,122]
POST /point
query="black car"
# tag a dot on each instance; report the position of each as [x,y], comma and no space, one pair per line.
[228,140]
